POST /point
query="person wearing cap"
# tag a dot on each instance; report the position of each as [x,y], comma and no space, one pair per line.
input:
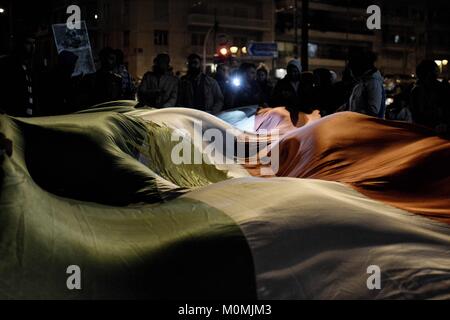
[288,90]
[198,90]
[159,88]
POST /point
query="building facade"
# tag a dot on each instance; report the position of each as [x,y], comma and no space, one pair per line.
[335,27]
[144,28]
[410,32]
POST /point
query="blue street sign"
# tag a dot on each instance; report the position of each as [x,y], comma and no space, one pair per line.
[263,49]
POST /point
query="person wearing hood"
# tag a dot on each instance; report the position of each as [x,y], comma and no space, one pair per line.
[288,90]
[159,89]
[368,96]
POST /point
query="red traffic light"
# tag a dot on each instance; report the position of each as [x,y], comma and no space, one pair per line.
[223,51]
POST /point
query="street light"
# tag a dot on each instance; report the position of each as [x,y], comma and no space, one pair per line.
[234,49]
[2,10]
[244,50]
[441,64]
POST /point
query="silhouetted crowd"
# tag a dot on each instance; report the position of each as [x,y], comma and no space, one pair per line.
[28,91]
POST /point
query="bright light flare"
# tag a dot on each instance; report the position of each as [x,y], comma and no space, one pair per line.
[223,51]
[236,82]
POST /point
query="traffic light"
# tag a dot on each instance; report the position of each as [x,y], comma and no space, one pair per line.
[224,51]
[222,55]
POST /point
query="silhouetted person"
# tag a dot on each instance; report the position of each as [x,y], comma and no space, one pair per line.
[60,93]
[159,88]
[262,77]
[287,91]
[399,109]
[197,90]
[18,80]
[128,88]
[308,105]
[325,91]
[307,82]
[368,96]
[429,98]
[106,83]
[233,62]
[343,89]
[222,77]
[248,93]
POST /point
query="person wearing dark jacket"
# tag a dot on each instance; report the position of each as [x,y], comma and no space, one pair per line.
[327,98]
[60,92]
[223,79]
[343,89]
[262,77]
[159,89]
[248,93]
[106,84]
[429,99]
[199,91]
[18,80]
[287,91]
[128,88]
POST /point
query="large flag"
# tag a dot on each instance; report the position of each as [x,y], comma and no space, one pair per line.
[101,190]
